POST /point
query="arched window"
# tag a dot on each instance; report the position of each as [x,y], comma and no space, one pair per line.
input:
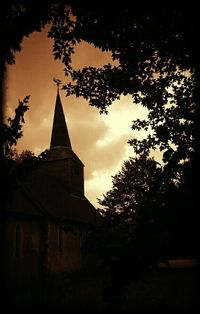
[18,240]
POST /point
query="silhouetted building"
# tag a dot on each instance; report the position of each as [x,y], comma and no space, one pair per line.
[49,216]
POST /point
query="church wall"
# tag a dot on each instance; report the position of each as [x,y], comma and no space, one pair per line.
[64,252]
[22,250]
[59,168]
[76,178]
[68,170]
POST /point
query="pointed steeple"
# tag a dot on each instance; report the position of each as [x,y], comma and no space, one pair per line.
[60,135]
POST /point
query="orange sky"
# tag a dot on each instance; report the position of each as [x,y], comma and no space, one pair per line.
[100,141]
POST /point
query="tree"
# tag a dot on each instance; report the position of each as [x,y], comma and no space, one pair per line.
[141,197]
[147,220]
[140,217]
[130,186]
[142,202]
[17,20]
[15,167]
[155,55]
[155,60]
[10,132]
[25,154]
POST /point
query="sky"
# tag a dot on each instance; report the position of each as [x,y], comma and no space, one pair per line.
[99,140]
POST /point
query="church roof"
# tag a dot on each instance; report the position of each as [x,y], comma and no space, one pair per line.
[60,135]
[45,192]
[45,195]
[60,146]
[59,153]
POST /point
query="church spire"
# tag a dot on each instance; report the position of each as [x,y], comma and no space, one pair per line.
[60,135]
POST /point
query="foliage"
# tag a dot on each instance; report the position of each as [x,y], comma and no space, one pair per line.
[12,131]
[147,219]
[155,61]
[130,187]
[24,164]
[140,196]
[25,154]
[15,167]
[19,19]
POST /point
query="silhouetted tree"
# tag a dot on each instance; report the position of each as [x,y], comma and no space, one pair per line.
[11,131]
[155,60]
[130,186]
[127,242]
[15,167]
[20,167]
[19,19]
[25,154]
[147,219]
[141,198]
[143,201]
[154,50]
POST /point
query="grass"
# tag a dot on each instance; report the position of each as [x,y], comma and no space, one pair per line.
[167,289]
[171,288]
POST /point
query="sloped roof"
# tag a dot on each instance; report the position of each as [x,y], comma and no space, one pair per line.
[44,194]
[21,203]
[59,153]
[60,135]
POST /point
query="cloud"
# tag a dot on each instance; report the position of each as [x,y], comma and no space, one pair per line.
[100,179]
[100,141]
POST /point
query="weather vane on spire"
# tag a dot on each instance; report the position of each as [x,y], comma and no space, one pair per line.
[58,82]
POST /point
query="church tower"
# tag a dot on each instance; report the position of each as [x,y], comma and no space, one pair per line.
[61,160]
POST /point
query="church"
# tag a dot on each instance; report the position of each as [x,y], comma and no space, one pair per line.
[49,216]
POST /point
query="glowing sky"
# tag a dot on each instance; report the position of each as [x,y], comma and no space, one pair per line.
[100,141]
